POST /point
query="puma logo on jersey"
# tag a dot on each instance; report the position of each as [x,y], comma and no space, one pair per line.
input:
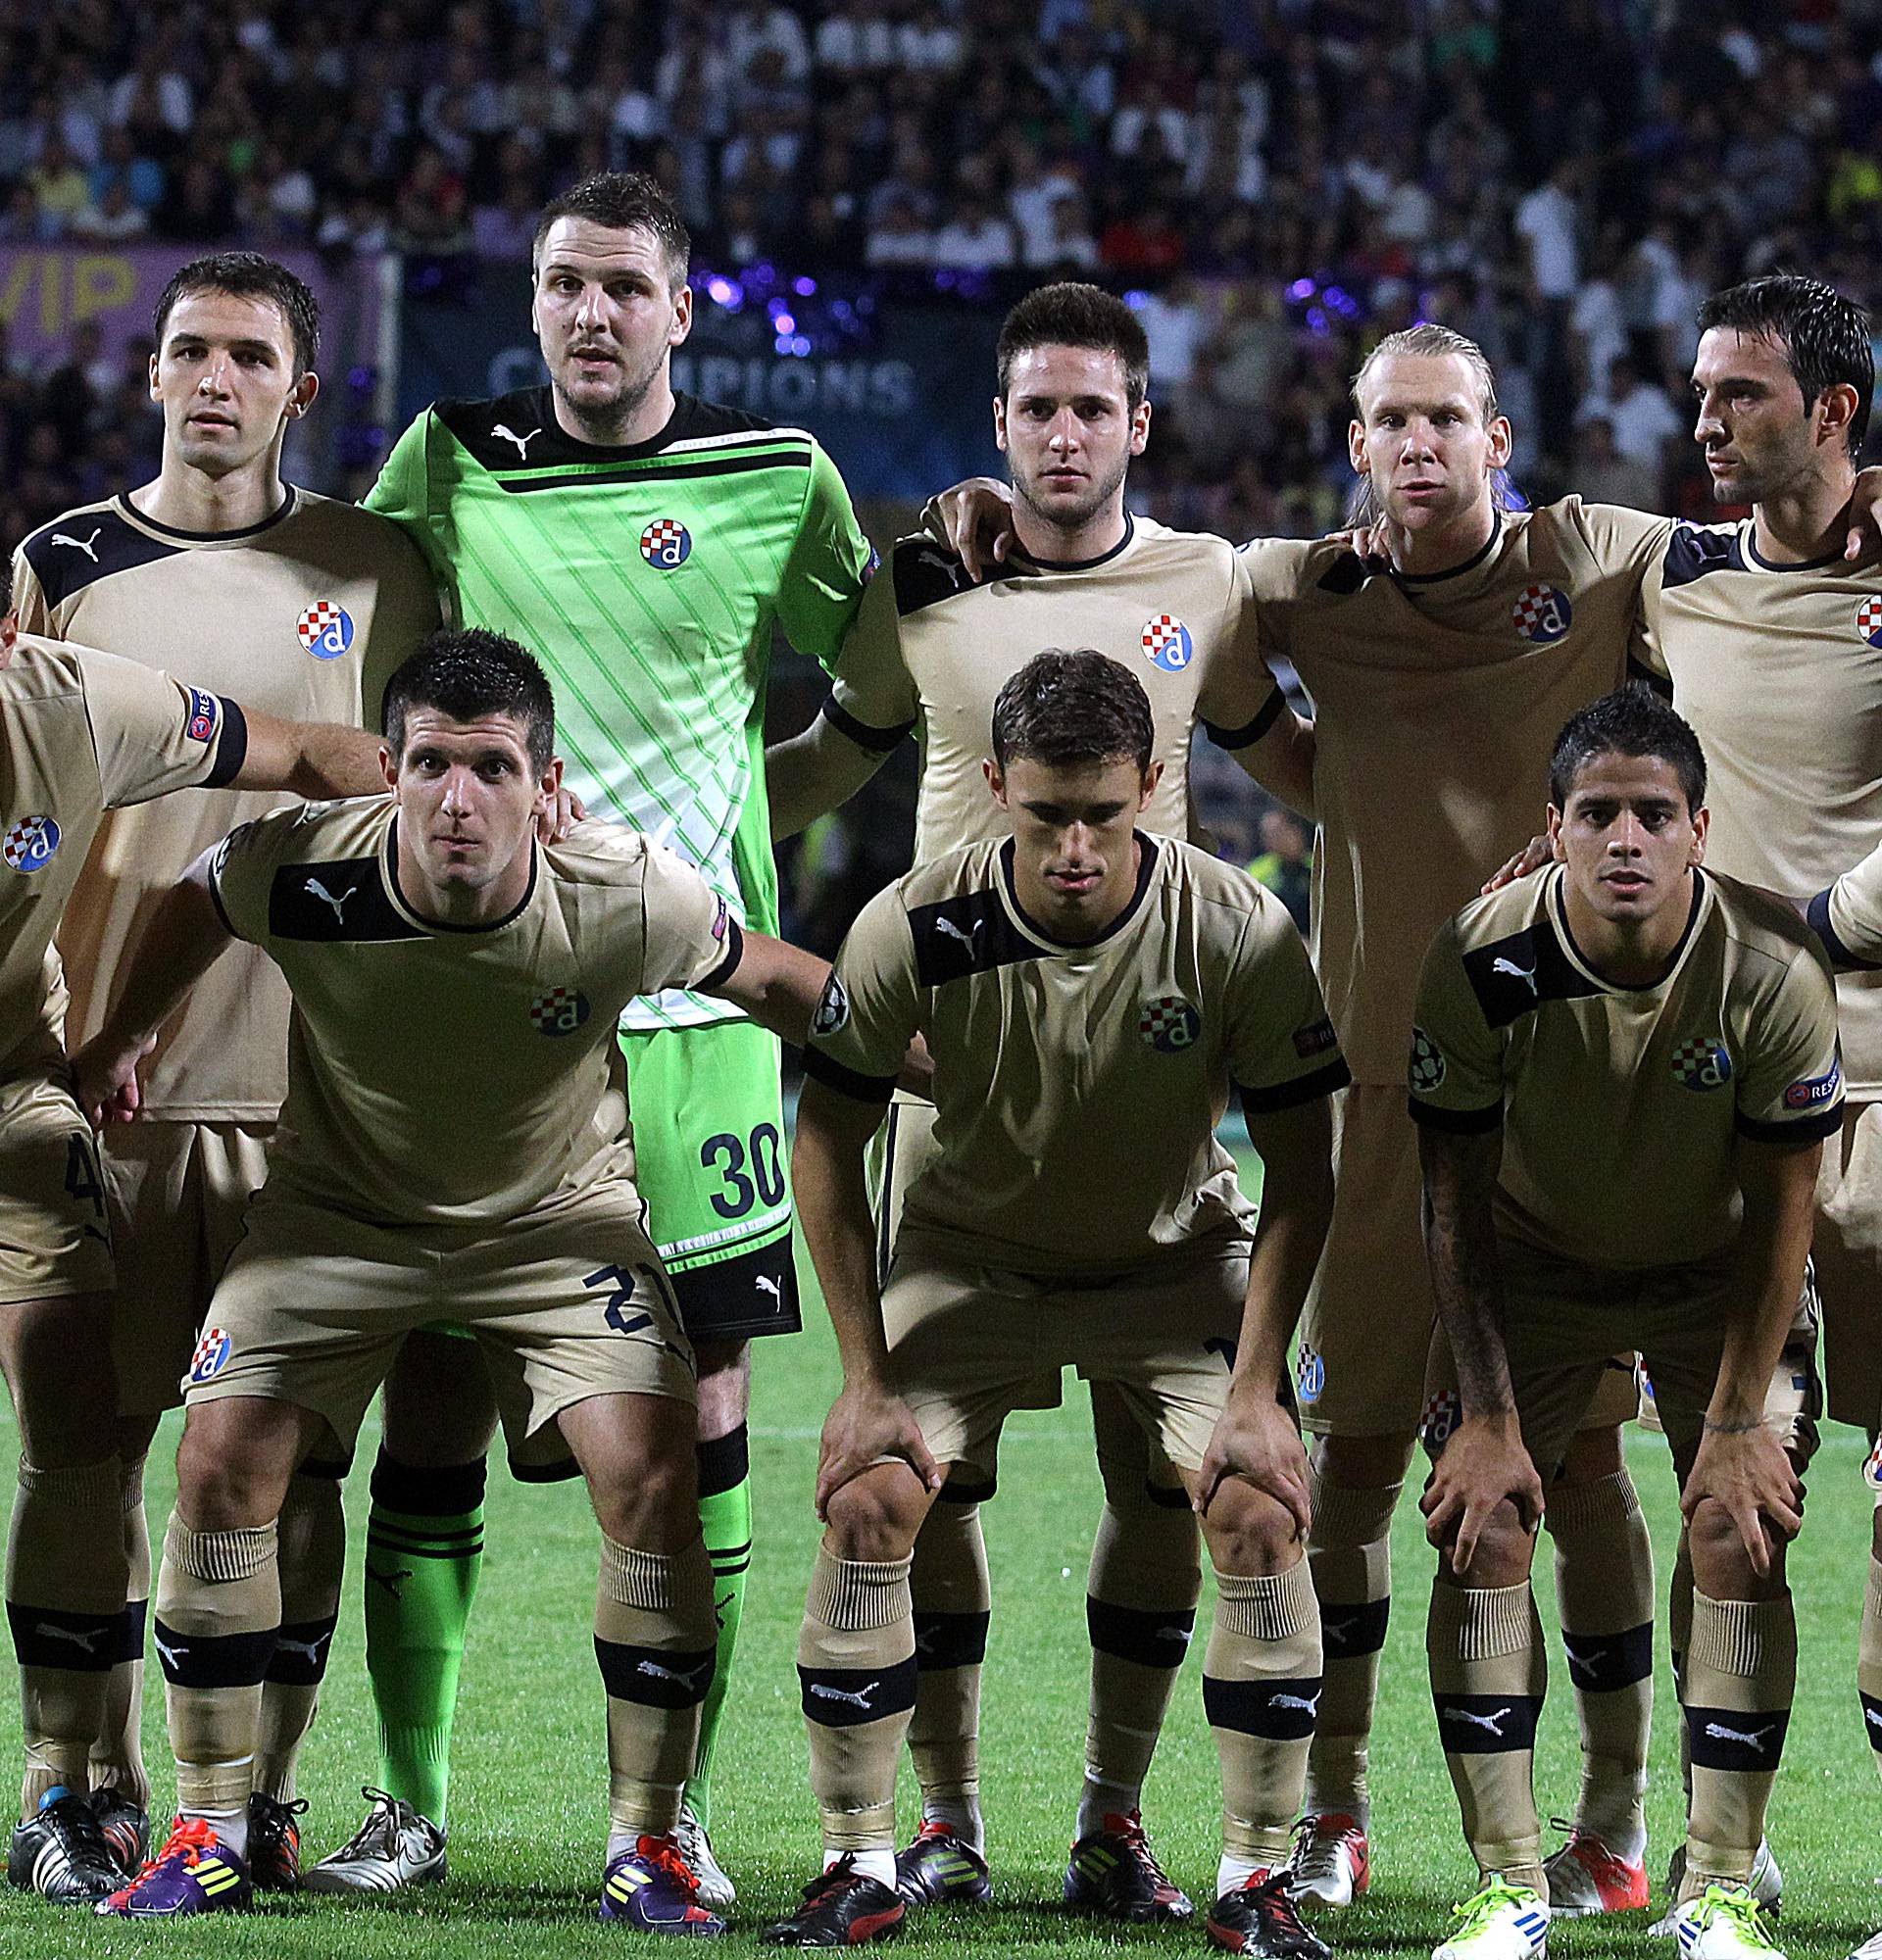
[1526,974]
[1752,1739]
[318,890]
[89,545]
[952,931]
[310,1648]
[1306,1704]
[84,1642]
[684,1676]
[855,1698]
[1493,1721]
[766,1284]
[522,442]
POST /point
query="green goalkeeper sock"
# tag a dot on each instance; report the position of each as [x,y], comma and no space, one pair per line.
[424,1551]
[725,1519]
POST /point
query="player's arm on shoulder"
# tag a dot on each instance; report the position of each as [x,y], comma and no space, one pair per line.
[315,759]
[869,711]
[777,983]
[184,937]
[974,518]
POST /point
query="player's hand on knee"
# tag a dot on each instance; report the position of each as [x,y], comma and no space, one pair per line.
[1484,1465]
[104,1080]
[974,521]
[864,1425]
[1531,857]
[1748,1475]
[1256,1441]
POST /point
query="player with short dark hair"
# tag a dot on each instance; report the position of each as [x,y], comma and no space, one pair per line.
[1074,314]
[1032,1239]
[469,674]
[248,275]
[930,651]
[83,732]
[300,604]
[648,545]
[1690,1022]
[1824,339]
[403,1186]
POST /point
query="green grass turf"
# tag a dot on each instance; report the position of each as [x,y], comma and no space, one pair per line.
[529,1792]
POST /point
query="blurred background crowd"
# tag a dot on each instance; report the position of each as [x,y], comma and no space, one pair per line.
[1275,183]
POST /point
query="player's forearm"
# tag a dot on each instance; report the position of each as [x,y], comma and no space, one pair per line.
[1297,1207]
[181,941]
[812,774]
[1773,1245]
[1282,763]
[832,1198]
[1467,1276]
[778,985]
[320,760]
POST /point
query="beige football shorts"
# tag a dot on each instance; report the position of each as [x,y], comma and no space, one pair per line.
[567,1302]
[55,1224]
[967,1344]
[1564,1323]
[179,1192]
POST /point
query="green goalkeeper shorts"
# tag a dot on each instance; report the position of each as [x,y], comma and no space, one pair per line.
[713,1163]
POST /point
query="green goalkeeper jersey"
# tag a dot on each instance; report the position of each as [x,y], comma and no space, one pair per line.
[646,579]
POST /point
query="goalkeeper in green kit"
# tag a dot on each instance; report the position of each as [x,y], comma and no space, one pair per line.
[643,544]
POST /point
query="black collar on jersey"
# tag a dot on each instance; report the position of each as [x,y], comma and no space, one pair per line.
[1753,556]
[1561,910]
[1146,869]
[290,497]
[1079,563]
[1456,570]
[534,438]
[390,868]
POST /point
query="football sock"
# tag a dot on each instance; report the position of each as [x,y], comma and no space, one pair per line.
[1740,1672]
[1140,1613]
[655,1643]
[64,1579]
[1261,1684]
[951,1600]
[1868,1665]
[726,1518]
[1350,1555]
[312,1538]
[1604,1591]
[219,1611]
[117,1755]
[856,1670]
[424,1553]
[1488,1671]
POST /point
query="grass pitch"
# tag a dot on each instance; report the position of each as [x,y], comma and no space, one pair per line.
[529,1788]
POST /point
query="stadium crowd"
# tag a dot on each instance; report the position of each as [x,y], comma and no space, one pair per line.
[1286,181]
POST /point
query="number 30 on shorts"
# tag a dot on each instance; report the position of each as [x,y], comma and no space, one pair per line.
[752,1173]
